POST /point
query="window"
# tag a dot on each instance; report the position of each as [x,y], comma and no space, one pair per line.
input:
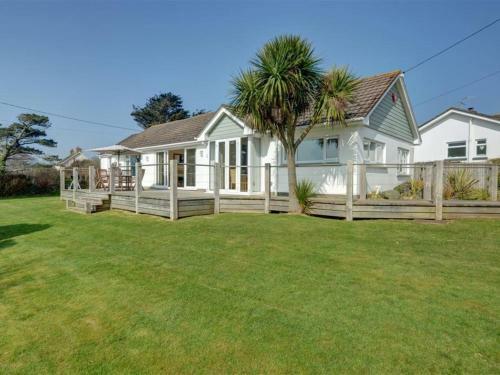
[332,149]
[373,151]
[480,147]
[232,165]
[222,162]
[315,150]
[457,150]
[211,158]
[191,167]
[244,163]
[310,150]
[160,168]
[403,160]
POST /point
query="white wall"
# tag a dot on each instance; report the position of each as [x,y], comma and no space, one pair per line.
[456,127]
[386,177]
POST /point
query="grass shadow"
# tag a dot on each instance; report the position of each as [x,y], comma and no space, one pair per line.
[7,232]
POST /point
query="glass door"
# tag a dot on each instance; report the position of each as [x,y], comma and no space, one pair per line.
[232,165]
[222,163]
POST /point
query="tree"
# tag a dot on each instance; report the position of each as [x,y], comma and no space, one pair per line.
[159,109]
[285,88]
[197,112]
[18,139]
[52,159]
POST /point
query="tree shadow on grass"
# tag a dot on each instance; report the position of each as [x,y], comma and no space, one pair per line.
[7,232]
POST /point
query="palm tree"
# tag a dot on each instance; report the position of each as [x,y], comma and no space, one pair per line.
[284,88]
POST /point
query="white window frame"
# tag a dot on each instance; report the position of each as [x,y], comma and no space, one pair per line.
[485,143]
[324,159]
[403,167]
[165,169]
[451,145]
[377,143]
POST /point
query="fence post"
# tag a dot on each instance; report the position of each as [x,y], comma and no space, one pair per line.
[349,190]
[137,189]
[75,182]
[111,179]
[267,188]
[428,182]
[217,175]
[438,189]
[62,181]
[173,190]
[362,181]
[493,182]
[91,178]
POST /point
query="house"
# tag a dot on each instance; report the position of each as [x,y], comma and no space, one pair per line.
[381,128]
[76,156]
[460,135]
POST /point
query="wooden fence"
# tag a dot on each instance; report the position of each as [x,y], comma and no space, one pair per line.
[431,205]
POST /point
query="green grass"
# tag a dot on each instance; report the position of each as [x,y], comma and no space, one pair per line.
[124,293]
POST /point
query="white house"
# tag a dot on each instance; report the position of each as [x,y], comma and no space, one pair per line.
[381,129]
[460,135]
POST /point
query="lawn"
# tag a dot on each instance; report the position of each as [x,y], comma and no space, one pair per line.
[121,293]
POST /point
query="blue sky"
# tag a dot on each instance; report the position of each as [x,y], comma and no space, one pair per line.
[94,60]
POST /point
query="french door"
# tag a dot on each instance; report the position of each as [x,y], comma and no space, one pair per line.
[232,156]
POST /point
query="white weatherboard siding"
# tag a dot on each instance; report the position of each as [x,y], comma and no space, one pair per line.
[458,127]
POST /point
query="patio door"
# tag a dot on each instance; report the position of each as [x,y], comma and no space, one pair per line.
[222,162]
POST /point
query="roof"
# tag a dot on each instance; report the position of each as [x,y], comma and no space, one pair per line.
[368,93]
[178,131]
[469,112]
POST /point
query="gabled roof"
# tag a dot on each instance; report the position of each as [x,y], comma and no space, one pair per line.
[368,93]
[370,90]
[467,112]
[178,131]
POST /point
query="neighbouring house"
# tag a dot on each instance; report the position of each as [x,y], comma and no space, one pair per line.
[380,129]
[76,156]
[460,135]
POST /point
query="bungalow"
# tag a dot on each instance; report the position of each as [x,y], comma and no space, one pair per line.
[460,135]
[381,129]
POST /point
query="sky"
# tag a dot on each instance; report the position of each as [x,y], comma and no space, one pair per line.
[95,59]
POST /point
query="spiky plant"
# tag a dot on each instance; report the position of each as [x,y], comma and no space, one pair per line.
[459,184]
[285,86]
[304,192]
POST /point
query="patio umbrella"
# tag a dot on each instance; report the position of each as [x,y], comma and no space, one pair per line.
[115,150]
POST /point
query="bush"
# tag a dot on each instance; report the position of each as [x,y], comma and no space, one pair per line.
[411,189]
[304,192]
[459,184]
[30,182]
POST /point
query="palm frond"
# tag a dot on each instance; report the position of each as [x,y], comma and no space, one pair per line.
[336,92]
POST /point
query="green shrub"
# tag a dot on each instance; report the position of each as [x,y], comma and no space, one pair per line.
[30,182]
[479,195]
[411,189]
[459,184]
[304,192]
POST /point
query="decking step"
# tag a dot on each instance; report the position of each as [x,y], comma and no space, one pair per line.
[88,204]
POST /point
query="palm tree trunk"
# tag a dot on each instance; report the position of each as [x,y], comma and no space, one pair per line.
[293,203]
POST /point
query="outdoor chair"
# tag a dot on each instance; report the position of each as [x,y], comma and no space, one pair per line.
[102,179]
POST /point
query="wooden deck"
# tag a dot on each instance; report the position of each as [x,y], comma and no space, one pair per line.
[195,203]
